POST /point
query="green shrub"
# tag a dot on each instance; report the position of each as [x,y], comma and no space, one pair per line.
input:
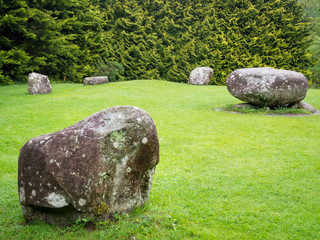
[114,70]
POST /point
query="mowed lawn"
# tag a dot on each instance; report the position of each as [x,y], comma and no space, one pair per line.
[220,176]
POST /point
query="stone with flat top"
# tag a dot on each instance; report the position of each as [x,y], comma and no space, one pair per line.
[95,80]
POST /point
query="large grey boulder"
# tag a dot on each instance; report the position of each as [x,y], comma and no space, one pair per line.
[93,169]
[267,86]
[200,76]
[38,84]
[95,80]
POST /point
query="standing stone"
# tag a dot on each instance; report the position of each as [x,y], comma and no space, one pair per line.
[200,76]
[93,169]
[38,84]
[95,80]
[267,87]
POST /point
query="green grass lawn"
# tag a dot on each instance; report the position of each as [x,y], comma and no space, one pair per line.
[221,175]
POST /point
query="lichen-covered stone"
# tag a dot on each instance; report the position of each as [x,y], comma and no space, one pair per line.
[200,76]
[38,84]
[101,165]
[95,80]
[267,86]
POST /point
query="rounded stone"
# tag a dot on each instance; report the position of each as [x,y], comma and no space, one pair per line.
[200,76]
[267,87]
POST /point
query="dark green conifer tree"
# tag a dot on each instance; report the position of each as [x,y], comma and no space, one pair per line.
[312,12]
[62,39]
[151,39]
[14,60]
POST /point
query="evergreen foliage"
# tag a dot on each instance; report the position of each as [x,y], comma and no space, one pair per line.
[113,70]
[168,39]
[62,39]
[151,39]
[312,12]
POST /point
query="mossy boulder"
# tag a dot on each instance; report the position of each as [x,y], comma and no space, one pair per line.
[100,166]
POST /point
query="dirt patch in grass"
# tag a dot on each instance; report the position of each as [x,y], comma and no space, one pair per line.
[245,108]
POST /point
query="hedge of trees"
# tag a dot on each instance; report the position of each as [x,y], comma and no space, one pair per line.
[152,39]
[312,12]
[62,39]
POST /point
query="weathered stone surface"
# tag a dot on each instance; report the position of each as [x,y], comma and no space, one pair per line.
[38,84]
[267,87]
[308,107]
[95,80]
[200,76]
[101,165]
[303,105]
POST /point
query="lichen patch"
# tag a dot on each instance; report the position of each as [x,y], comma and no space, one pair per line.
[145,140]
[82,202]
[56,200]
[22,195]
[115,144]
